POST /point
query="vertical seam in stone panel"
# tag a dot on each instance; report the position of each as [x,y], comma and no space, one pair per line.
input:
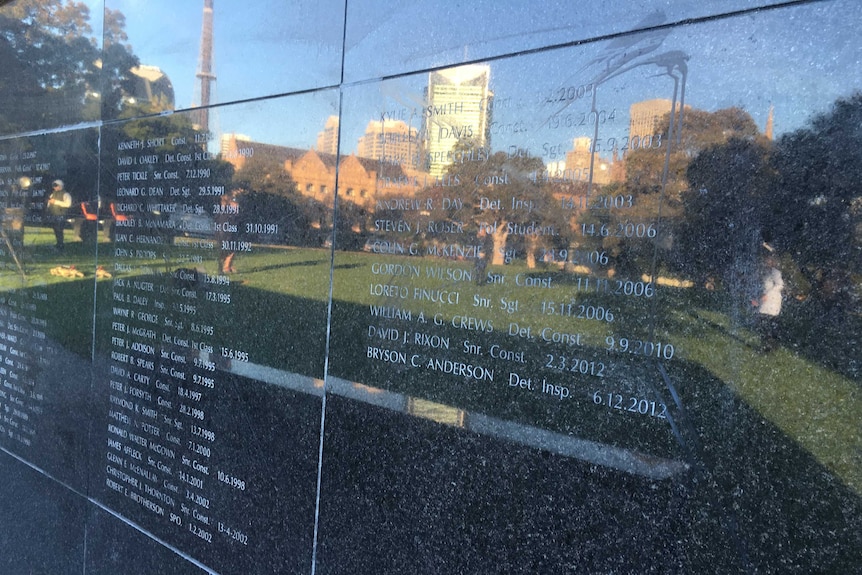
[94,382]
[96,247]
[329,300]
[343,49]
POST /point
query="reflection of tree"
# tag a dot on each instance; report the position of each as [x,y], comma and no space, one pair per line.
[490,187]
[56,70]
[263,173]
[117,63]
[801,195]
[724,208]
[351,221]
[268,195]
[815,211]
[645,166]
[50,61]
[702,130]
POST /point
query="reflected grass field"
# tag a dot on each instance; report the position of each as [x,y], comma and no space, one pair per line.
[278,310]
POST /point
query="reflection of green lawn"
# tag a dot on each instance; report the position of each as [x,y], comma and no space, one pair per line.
[818,408]
[65,302]
[277,310]
[278,314]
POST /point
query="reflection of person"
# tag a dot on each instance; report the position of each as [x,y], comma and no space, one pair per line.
[227,208]
[58,204]
[769,304]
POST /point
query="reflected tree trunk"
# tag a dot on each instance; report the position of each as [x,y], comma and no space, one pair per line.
[532,245]
[500,236]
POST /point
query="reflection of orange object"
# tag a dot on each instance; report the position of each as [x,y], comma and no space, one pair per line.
[87,215]
[118,217]
[227,264]
[66,272]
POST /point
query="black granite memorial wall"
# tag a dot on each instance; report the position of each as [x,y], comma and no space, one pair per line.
[411,287]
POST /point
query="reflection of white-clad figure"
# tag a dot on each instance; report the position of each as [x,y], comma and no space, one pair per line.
[773,285]
[769,304]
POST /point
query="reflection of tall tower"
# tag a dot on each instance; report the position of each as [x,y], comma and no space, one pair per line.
[205,66]
[327,140]
[456,110]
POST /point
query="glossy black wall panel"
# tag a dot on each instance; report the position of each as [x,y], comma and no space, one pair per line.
[208,401]
[606,253]
[48,278]
[36,519]
[379,288]
[115,546]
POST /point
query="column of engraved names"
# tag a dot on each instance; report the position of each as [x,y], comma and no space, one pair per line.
[427,254]
[164,364]
[23,341]
[558,314]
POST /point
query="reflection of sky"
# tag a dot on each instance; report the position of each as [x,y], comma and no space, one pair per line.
[797,59]
[493,27]
[260,48]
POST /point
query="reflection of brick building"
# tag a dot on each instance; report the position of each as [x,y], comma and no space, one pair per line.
[361,180]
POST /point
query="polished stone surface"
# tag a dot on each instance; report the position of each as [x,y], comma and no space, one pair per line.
[364,287]
[35,521]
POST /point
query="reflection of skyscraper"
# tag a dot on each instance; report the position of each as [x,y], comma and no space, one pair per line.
[327,140]
[391,142]
[229,143]
[457,110]
[645,117]
[153,86]
[578,158]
